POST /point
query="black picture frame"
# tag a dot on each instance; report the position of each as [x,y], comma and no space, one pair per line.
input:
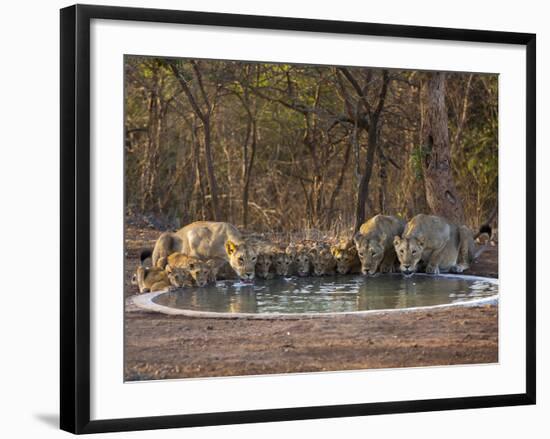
[75,217]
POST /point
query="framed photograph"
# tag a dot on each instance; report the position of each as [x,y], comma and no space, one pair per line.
[272,218]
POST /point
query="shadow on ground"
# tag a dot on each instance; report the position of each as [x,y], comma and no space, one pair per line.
[49,419]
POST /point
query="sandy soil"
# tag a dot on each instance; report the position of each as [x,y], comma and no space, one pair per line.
[158,346]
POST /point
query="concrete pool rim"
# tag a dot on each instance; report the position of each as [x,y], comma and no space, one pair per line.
[146,302]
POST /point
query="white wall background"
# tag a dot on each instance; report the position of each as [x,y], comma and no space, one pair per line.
[29,203]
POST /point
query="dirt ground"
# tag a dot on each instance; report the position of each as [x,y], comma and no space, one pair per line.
[159,346]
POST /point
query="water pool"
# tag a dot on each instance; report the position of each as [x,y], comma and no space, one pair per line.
[322,295]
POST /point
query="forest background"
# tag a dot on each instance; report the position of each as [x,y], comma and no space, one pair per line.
[281,147]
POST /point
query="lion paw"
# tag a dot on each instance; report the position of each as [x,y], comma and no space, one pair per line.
[460,268]
[432,269]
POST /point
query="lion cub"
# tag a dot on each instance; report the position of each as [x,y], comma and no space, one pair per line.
[374,243]
[264,265]
[190,270]
[299,254]
[432,240]
[282,262]
[322,260]
[347,260]
[219,269]
[151,279]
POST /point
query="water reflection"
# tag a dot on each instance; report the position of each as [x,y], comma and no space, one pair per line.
[327,294]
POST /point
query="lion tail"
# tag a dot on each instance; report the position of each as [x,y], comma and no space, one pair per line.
[487,231]
[484,229]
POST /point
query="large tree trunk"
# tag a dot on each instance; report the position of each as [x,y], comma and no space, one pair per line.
[373,133]
[441,193]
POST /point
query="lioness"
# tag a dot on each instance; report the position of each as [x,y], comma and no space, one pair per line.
[432,240]
[207,240]
[346,257]
[374,243]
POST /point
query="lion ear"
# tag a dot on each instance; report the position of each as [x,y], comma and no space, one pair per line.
[334,251]
[230,247]
[421,241]
[161,263]
[357,237]
[396,240]
[168,268]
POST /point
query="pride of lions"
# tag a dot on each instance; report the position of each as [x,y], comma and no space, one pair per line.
[205,251]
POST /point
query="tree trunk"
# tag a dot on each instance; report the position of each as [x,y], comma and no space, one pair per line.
[441,193]
[365,178]
[204,115]
[373,131]
[340,182]
[151,159]
[199,173]
[210,172]
[187,187]
[382,181]
[247,168]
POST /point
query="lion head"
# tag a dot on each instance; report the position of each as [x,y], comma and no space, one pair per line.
[345,255]
[409,253]
[242,258]
[322,261]
[263,265]
[370,251]
[303,263]
[300,257]
[177,276]
[200,273]
[185,271]
[282,262]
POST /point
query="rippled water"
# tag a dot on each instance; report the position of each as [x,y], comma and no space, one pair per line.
[328,294]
